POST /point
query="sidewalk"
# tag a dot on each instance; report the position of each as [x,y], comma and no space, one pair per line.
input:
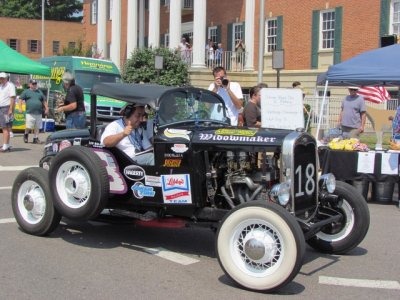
[23,153]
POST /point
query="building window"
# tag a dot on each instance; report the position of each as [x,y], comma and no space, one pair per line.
[93,12]
[395,17]
[187,4]
[328,29]
[166,40]
[56,47]
[13,44]
[33,46]
[71,45]
[165,2]
[271,33]
[237,33]
[212,34]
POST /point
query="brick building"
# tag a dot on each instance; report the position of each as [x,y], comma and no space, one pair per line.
[313,33]
[25,35]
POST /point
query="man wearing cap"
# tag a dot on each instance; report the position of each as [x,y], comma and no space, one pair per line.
[73,107]
[7,98]
[127,135]
[36,105]
[352,117]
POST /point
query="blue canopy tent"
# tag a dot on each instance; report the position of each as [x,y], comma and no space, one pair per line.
[378,67]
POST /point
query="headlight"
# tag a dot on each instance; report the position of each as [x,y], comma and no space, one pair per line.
[328,182]
[281,192]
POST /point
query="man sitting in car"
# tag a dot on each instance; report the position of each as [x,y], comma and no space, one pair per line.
[127,135]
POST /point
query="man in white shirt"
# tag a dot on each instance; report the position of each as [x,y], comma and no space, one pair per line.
[7,99]
[127,135]
[230,91]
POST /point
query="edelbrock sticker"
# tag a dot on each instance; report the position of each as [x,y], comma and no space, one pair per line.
[140,190]
[176,189]
[179,148]
[239,132]
[134,172]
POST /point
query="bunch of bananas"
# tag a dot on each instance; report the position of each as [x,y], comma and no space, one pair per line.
[348,144]
[394,145]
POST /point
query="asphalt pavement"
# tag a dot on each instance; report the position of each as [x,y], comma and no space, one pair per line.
[93,260]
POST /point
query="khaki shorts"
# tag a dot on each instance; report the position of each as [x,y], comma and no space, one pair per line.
[33,121]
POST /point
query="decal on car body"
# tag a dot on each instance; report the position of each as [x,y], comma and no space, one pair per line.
[238,132]
[177,133]
[134,172]
[179,148]
[140,190]
[176,188]
[235,138]
[152,180]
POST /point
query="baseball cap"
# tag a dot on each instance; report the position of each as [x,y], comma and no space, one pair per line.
[3,75]
[33,81]
[353,88]
[67,77]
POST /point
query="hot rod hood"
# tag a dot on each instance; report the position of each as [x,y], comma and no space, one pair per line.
[238,138]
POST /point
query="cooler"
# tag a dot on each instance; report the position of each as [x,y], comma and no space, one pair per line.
[48,125]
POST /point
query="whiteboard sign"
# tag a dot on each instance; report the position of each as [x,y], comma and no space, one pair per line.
[282,108]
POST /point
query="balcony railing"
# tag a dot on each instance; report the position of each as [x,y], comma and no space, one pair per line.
[230,60]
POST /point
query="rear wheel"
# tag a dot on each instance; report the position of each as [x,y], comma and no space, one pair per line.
[31,202]
[80,181]
[260,246]
[340,237]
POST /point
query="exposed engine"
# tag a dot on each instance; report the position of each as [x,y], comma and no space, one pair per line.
[239,177]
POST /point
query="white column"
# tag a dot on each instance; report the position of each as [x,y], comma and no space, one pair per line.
[116,33]
[175,22]
[199,34]
[132,27]
[249,35]
[141,23]
[102,28]
[154,23]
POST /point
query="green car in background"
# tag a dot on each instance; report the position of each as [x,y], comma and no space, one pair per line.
[87,72]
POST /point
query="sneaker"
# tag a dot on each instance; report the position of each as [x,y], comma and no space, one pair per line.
[36,141]
[26,138]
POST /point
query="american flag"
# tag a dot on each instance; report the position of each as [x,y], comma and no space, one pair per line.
[376,94]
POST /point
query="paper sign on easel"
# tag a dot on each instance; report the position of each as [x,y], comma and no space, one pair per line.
[282,108]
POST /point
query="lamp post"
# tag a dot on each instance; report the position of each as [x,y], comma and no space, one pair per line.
[43,45]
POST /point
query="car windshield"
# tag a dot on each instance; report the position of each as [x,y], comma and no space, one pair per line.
[87,80]
[182,106]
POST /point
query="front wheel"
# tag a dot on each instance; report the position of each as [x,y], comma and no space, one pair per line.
[260,246]
[340,237]
[31,202]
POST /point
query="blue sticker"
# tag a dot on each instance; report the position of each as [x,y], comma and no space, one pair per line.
[140,190]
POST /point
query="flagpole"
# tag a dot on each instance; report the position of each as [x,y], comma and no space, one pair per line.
[43,45]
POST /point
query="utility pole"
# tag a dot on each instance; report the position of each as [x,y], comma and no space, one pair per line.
[43,44]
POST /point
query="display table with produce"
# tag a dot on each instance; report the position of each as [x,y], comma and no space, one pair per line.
[362,167]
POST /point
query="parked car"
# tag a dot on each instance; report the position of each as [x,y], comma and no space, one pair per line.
[259,189]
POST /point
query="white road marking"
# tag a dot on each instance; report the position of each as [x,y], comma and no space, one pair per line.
[14,168]
[364,283]
[169,255]
[8,220]
[5,187]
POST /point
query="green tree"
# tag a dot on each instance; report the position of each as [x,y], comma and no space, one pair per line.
[78,50]
[59,10]
[141,68]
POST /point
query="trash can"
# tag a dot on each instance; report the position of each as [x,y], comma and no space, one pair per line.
[362,186]
[382,191]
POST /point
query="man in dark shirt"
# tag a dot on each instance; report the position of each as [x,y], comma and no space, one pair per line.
[74,107]
[252,111]
[36,105]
